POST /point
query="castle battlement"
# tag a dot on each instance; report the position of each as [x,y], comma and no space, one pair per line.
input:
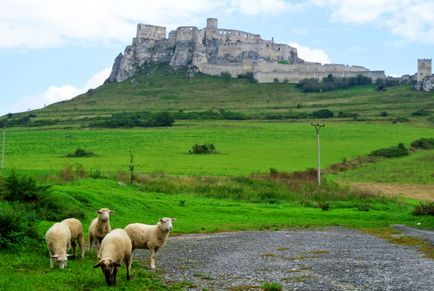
[211,50]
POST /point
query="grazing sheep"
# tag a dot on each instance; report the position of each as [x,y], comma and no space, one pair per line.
[99,227]
[151,237]
[58,238]
[77,237]
[115,248]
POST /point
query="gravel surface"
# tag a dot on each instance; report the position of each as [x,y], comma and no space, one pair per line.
[323,259]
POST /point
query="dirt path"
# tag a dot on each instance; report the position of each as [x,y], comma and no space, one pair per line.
[324,259]
[417,191]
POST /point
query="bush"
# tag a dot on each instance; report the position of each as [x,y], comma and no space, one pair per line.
[330,83]
[207,148]
[272,287]
[421,112]
[423,143]
[161,119]
[323,113]
[424,209]
[18,226]
[383,113]
[79,152]
[22,189]
[391,152]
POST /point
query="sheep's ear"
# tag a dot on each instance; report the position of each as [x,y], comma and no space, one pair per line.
[69,255]
[97,265]
[55,256]
[173,219]
[161,220]
[99,211]
[110,211]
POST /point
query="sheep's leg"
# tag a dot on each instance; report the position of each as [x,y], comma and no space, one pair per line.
[81,245]
[128,261]
[51,260]
[153,257]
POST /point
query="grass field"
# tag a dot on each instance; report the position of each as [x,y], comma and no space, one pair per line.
[30,270]
[416,168]
[243,147]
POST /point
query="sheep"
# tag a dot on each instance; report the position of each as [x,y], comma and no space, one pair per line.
[77,237]
[116,247]
[99,227]
[58,238]
[151,237]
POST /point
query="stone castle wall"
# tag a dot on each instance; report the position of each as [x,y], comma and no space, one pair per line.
[213,51]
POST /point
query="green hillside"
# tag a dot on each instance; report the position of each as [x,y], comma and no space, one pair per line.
[157,88]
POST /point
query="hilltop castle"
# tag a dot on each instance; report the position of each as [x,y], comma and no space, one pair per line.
[215,51]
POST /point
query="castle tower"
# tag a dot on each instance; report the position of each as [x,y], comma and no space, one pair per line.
[212,23]
[424,69]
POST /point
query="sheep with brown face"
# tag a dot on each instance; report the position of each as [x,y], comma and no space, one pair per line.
[77,237]
[99,228]
[115,248]
[58,238]
[152,237]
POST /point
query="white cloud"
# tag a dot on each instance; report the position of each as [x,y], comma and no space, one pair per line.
[261,7]
[310,54]
[59,93]
[411,20]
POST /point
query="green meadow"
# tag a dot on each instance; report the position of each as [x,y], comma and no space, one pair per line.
[29,269]
[243,147]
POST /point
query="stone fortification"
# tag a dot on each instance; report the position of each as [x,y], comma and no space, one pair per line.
[424,76]
[214,51]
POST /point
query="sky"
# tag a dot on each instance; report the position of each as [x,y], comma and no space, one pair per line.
[53,50]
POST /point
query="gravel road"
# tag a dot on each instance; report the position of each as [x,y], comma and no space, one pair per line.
[323,259]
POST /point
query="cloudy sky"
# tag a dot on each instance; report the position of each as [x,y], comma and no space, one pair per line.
[52,50]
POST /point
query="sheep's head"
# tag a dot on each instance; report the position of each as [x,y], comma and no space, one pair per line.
[109,268]
[165,224]
[62,260]
[104,214]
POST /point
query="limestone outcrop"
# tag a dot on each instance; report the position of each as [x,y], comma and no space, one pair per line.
[214,51]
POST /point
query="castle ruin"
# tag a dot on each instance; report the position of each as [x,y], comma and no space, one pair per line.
[215,51]
[424,76]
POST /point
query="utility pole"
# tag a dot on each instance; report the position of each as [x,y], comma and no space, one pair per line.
[317,128]
[3,145]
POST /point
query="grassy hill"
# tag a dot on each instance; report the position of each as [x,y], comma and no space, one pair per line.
[157,89]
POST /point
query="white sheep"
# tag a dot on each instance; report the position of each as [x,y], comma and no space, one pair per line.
[116,247]
[152,237]
[77,237]
[58,238]
[99,227]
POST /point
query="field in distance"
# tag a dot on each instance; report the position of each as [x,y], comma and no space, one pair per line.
[242,147]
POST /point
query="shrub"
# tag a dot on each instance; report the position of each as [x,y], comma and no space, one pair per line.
[207,148]
[18,226]
[421,112]
[226,76]
[400,119]
[423,143]
[424,209]
[323,113]
[391,152]
[384,113]
[275,80]
[79,153]
[22,189]
[161,119]
[272,287]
